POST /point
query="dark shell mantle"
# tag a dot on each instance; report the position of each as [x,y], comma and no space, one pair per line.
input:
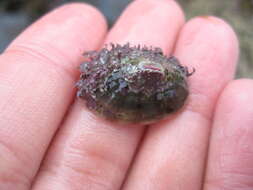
[132,84]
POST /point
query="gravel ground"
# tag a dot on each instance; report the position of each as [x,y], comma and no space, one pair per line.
[15,15]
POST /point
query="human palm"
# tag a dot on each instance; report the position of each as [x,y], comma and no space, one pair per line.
[50,141]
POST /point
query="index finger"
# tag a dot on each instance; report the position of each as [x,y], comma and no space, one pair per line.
[37,73]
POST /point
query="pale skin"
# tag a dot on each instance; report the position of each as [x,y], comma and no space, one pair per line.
[50,141]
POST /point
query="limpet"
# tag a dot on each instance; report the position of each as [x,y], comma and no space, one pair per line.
[132,84]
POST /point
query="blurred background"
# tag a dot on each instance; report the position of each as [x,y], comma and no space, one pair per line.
[15,15]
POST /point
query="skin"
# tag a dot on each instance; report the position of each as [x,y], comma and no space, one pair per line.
[49,140]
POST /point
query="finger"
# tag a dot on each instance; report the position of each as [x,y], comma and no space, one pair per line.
[230,165]
[175,149]
[37,74]
[90,153]
[160,28]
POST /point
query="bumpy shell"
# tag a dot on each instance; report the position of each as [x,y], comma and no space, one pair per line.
[132,83]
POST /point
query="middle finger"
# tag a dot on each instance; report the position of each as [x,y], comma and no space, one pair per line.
[88,152]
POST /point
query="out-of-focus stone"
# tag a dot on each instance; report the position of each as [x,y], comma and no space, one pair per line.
[10,26]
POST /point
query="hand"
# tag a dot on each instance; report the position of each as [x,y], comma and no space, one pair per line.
[50,141]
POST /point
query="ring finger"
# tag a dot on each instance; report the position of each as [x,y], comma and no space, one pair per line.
[175,150]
